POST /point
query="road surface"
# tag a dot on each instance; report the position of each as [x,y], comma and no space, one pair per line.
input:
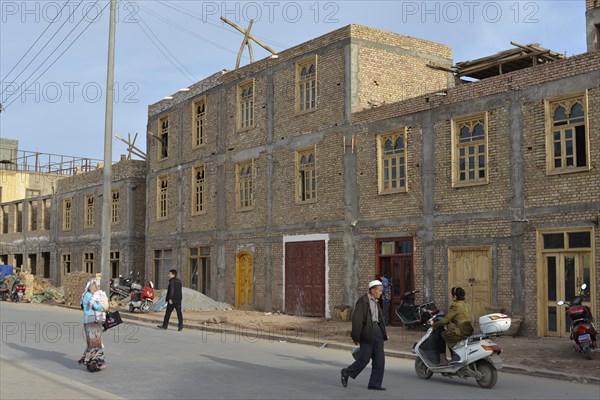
[40,345]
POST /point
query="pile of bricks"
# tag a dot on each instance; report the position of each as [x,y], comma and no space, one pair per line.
[73,286]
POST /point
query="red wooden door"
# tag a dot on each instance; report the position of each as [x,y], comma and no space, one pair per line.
[305,278]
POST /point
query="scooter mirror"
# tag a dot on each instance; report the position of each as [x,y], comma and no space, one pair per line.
[560,303]
[584,286]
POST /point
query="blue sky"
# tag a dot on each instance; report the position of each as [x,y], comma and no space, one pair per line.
[61,110]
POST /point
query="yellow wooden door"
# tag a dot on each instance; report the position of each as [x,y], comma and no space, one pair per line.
[471,269]
[564,273]
[244,279]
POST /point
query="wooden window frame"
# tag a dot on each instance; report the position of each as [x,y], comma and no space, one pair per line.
[162,198]
[115,256]
[456,124]
[244,124]
[162,132]
[400,158]
[244,194]
[199,124]
[88,261]
[88,219]
[67,213]
[30,193]
[550,106]
[64,260]
[301,194]
[198,204]
[199,256]
[300,105]
[115,207]
[160,257]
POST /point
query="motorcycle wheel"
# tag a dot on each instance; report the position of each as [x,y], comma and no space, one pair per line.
[489,374]
[588,353]
[421,369]
[131,308]
[114,300]
[145,307]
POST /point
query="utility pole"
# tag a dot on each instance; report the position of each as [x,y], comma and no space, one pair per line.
[108,126]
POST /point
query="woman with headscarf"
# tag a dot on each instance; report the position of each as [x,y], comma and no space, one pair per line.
[93,317]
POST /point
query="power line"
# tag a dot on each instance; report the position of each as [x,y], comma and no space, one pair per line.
[192,14]
[43,47]
[173,24]
[61,54]
[188,75]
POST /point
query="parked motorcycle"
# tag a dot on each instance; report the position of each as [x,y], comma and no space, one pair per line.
[581,324]
[474,357]
[414,315]
[4,289]
[120,288]
[141,298]
[118,292]
[18,291]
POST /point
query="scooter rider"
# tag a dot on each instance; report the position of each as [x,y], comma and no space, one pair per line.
[460,315]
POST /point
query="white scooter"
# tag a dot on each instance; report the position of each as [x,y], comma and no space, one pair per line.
[475,357]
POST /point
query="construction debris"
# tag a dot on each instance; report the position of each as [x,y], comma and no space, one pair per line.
[522,56]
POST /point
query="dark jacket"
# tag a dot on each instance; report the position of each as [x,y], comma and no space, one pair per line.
[174,290]
[362,321]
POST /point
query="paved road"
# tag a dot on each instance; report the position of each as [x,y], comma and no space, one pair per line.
[40,345]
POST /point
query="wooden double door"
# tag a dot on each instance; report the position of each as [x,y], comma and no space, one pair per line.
[471,269]
[305,278]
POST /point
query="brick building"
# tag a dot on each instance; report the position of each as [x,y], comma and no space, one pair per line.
[291,182]
[59,233]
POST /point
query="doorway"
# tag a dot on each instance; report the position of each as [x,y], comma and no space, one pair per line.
[244,279]
[32,264]
[471,269]
[565,264]
[46,263]
[305,284]
[395,260]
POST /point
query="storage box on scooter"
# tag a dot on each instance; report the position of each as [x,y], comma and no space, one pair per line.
[494,323]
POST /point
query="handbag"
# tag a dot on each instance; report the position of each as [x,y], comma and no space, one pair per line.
[113,318]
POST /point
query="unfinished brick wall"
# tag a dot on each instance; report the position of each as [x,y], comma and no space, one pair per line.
[74,285]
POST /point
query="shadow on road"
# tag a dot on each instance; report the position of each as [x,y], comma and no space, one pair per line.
[37,354]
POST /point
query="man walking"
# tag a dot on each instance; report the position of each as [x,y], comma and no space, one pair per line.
[368,329]
[173,299]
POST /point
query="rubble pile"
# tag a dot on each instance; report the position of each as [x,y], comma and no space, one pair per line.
[192,301]
[44,291]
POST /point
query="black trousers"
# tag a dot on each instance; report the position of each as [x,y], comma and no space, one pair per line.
[170,307]
[370,351]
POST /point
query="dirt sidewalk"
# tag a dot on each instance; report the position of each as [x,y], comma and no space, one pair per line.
[550,357]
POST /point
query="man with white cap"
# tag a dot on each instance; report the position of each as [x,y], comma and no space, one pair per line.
[368,329]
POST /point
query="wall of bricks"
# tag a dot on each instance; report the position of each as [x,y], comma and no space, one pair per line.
[74,285]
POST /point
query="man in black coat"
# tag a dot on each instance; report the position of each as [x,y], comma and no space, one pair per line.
[368,329]
[173,299]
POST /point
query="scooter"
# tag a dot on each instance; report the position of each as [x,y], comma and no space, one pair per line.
[3,289]
[474,357]
[583,331]
[143,298]
[18,291]
[414,315]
